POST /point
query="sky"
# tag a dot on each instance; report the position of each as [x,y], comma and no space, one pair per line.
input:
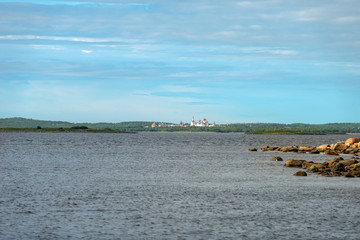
[231,61]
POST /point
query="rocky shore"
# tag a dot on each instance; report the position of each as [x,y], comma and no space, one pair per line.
[337,166]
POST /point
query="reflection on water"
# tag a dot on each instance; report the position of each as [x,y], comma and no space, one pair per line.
[168,186]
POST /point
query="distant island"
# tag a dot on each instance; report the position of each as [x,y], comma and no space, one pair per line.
[24,124]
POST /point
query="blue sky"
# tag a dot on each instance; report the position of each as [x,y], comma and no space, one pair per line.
[231,61]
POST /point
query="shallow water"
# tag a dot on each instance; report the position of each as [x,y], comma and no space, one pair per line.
[168,186]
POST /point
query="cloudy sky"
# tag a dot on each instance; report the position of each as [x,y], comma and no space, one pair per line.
[231,61]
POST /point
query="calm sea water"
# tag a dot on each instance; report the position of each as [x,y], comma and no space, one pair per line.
[168,186]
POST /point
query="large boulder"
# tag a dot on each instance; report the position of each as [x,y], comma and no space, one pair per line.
[323,148]
[339,147]
[294,163]
[352,140]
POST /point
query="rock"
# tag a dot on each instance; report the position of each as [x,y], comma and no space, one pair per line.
[332,162]
[265,148]
[356,166]
[323,148]
[339,147]
[350,150]
[307,164]
[274,148]
[252,149]
[331,152]
[306,148]
[356,172]
[312,169]
[289,149]
[277,159]
[349,175]
[300,173]
[294,163]
[315,151]
[352,140]
[339,167]
[348,162]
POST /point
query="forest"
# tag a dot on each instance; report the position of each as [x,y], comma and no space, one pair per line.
[138,126]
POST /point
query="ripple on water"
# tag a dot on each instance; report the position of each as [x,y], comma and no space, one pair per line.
[168,186]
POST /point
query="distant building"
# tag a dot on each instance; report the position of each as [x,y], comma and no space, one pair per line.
[181,124]
[154,125]
[200,123]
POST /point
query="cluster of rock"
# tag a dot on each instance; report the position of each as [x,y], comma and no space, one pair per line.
[350,146]
[333,167]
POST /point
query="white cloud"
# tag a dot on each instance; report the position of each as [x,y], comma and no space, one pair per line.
[48,47]
[255,27]
[312,14]
[284,52]
[347,19]
[86,51]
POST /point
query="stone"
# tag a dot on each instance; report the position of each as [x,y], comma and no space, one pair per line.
[356,166]
[274,148]
[315,151]
[265,148]
[307,164]
[306,148]
[332,162]
[277,159]
[348,162]
[356,172]
[352,140]
[252,149]
[289,149]
[323,148]
[300,173]
[350,150]
[294,163]
[339,147]
[312,169]
[349,175]
[339,167]
[331,152]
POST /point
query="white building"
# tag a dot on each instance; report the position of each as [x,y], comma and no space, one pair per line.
[200,123]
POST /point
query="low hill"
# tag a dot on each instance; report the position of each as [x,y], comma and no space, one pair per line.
[33,123]
[258,128]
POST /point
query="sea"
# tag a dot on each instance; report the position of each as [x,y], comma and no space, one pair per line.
[169,186]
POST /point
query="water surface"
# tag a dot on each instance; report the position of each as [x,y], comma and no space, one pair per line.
[168,186]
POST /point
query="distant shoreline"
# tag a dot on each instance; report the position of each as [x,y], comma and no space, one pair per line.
[63,130]
[33,125]
[90,130]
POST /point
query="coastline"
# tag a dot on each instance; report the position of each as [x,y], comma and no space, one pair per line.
[63,130]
